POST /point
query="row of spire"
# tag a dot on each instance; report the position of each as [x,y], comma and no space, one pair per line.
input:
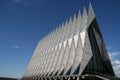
[68,29]
[64,32]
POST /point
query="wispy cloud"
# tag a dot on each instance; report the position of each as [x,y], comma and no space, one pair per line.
[22,2]
[18,1]
[113,55]
[117,70]
[108,47]
[115,62]
[28,2]
[15,46]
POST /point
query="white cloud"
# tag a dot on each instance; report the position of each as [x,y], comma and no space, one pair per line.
[117,70]
[116,67]
[108,47]
[112,55]
[116,62]
[15,46]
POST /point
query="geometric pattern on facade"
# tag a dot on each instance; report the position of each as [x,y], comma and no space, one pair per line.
[74,48]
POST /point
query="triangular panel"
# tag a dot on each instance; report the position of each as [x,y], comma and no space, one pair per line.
[82,35]
[55,60]
[60,60]
[78,56]
[87,54]
[79,21]
[97,65]
[84,19]
[102,49]
[65,57]
[71,56]
[91,15]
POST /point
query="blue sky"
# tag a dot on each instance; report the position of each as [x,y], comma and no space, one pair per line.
[24,22]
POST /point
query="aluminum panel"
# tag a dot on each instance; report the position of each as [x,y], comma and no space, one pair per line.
[87,54]
[76,39]
[64,43]
[47,63]
[70,41]
[82,35]
[55,60]
[71,56]
[51,61]
[91,15]
[84,19]
[99,41]
[65,56]
[60,59]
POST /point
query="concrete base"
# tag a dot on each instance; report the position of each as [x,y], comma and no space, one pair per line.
[83,77]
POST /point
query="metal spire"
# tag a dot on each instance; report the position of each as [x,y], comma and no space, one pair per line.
[91,15]
[74,19]
[84,18]
[79,20]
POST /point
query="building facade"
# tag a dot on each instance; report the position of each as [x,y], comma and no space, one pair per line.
[74,50]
